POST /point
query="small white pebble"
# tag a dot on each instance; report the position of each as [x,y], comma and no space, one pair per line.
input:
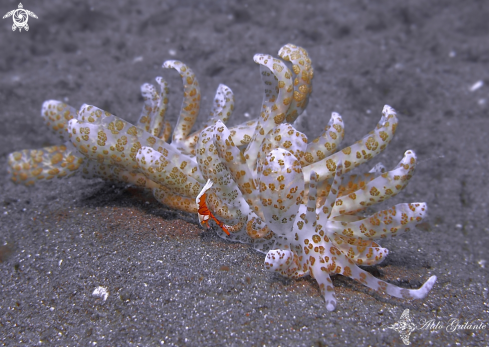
[482,263]
[137,59]
[60,262]
[476,85]
[172,52]
[452,54]
[101,292]
[458,226]
[247,115]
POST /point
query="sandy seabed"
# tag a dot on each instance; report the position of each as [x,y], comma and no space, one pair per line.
[169,282]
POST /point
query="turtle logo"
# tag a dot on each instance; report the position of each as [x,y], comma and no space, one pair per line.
[20,17]
[404,327]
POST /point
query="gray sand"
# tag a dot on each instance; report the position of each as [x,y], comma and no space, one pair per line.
[170,282]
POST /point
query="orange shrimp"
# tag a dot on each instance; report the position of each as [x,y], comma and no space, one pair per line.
[204,212]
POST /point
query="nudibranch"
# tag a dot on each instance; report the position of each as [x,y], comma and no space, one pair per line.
[262,182]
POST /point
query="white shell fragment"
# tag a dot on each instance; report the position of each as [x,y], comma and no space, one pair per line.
[101,292]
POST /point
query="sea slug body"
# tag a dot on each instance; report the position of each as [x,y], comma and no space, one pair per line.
[262,182]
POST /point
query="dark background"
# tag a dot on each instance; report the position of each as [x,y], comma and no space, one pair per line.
[169,281]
